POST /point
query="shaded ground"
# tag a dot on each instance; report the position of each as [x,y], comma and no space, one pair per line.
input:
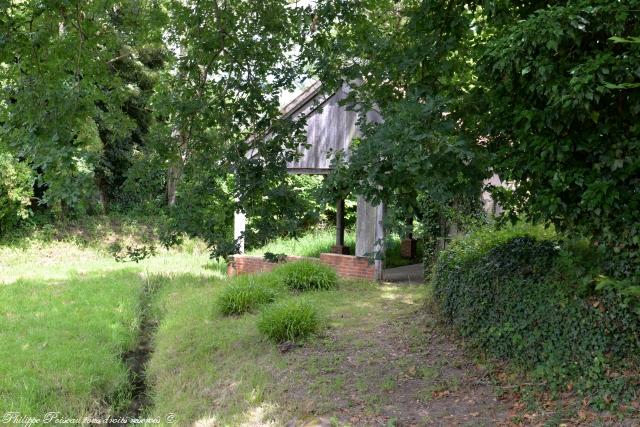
[398,369]
[383,361]
[413,273]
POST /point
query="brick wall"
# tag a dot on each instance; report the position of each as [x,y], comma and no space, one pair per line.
[253,264]
[347,266]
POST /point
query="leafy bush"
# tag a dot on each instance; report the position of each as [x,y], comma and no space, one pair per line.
[16,188]
[562,125]
[275,258]
[528,299]
[291,320]
[307,275]
[245,293]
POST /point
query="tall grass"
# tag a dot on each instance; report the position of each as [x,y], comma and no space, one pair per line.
[246,293]
[311,244]
[290,320]
[316,242]
[306,276]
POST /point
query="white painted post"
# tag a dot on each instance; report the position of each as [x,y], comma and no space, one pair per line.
[239,224]
[365,227]
[370,234]
[379,245]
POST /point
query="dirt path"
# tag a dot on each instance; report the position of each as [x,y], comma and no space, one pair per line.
[397,369]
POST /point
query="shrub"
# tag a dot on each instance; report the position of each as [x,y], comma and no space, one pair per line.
[307,275]
[16,188]
[561,130]
[246,293]
[528,300]
[291,320]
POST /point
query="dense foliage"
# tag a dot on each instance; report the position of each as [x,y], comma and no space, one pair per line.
[67,101]
[562,120]
[520,294]
[16,189]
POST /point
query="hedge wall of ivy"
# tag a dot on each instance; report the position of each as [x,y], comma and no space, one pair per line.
[521,294]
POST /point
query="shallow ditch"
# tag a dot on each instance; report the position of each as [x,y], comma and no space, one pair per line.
[136,359]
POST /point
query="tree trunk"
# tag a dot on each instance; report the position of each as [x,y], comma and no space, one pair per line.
[173,177]
[174,173]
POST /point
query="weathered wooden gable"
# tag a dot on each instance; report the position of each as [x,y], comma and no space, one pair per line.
[329,127]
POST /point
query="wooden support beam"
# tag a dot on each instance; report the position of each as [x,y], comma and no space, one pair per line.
[409,246]
[239,225]
[379,248]
[339,247]
[340,223]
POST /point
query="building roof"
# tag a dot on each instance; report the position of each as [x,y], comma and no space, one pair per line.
[305,95]
[330,126]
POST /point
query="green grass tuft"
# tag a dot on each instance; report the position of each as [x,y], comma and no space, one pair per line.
[292,320]
[246,293]
[307,275]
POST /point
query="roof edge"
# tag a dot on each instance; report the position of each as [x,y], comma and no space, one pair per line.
[303,98]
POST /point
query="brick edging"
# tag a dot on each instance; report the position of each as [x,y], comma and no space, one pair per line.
[347,266]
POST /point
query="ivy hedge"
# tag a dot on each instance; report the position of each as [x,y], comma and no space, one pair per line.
[524,295]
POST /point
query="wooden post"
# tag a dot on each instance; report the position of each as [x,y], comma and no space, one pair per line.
[409,246]
[239,225]
[340,223]
[339,247]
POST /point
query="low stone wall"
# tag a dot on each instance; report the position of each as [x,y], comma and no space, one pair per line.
[347,266]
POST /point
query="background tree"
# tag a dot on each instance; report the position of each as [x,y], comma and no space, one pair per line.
[560,126]
[60,88]
[139,70]
[16,190]
[218,105]
[411,61]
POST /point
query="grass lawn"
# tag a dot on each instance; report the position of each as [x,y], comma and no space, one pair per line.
[70,314]
[225,373]
[379,361]
[67,316]
[62,340]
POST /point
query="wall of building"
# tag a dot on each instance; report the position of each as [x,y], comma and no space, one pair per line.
[330,127]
